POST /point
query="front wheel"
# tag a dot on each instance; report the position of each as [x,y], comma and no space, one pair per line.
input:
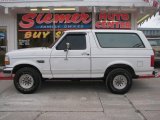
[119,81]
[27,80]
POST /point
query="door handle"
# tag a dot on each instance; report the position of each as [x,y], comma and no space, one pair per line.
[85,53]
[40,61]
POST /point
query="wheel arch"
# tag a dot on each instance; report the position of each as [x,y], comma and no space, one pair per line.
[17,67]
[123,66]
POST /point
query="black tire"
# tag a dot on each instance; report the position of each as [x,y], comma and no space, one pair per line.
[32,74]
[113,78]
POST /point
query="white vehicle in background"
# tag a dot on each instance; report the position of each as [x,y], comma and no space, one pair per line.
[116,56]
[155,43]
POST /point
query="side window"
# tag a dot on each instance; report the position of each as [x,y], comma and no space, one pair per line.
[77,42]
[119,40]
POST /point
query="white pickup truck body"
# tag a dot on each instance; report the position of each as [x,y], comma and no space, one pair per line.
[92,61]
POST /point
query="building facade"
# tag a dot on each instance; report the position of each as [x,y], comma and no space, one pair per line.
[36,23]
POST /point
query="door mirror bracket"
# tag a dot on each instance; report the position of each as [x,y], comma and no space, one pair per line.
[68,45]
[66,50]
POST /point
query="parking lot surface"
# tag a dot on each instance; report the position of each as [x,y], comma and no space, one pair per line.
[84,100]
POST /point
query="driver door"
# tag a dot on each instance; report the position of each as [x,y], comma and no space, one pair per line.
[73,62]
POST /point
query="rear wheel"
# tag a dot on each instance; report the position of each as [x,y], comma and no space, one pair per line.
[27,80]
[119,81]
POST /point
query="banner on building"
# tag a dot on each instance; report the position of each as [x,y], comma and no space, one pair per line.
[106,20]
[41,21]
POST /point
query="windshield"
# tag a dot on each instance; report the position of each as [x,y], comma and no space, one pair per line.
[154,42]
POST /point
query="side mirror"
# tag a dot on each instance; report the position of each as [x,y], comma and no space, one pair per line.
[68,46]
[67,50]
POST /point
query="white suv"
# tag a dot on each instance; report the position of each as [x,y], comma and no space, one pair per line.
[115,56]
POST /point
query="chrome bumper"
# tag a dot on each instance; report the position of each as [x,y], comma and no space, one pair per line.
[7,72]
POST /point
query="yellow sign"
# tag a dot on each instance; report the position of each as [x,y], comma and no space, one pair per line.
[34,35]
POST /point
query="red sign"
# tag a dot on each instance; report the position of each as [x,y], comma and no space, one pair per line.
[113,21]
[31,20]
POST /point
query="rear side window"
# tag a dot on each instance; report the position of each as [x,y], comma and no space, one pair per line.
[119,40]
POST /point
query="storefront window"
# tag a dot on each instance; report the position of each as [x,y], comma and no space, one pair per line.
[70,21]
[43,29]
[35,30]
[3,44]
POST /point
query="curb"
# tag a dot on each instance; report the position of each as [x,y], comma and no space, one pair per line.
[6,78]
[2,77]
[150,76]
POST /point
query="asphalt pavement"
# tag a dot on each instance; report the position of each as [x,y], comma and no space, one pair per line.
[84,100]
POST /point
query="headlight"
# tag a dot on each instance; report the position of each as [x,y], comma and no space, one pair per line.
[6,61]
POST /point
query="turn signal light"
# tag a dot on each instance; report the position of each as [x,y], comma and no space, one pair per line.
[6,61]
[152,60]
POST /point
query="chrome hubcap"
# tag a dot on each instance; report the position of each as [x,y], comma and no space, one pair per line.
[120,82]
[26,81]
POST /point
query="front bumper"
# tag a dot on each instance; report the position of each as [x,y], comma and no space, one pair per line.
[7,72]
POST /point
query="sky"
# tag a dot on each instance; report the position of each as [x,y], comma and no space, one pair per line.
[153,22]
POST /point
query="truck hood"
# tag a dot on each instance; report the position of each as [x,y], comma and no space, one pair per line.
[29,52]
